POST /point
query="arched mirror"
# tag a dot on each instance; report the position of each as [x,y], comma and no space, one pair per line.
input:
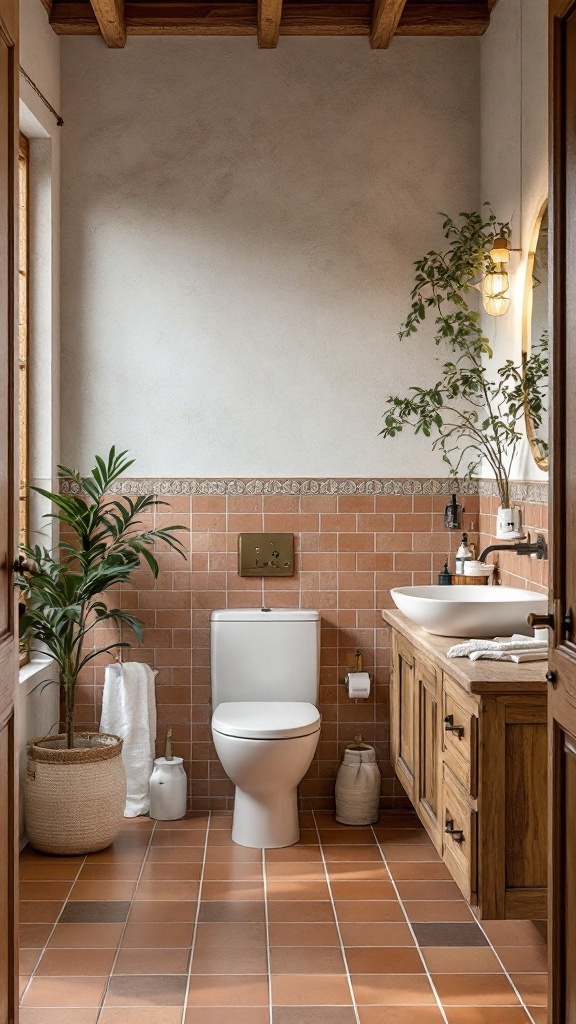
[535,341]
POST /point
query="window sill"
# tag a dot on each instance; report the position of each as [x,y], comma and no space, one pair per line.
[37,670]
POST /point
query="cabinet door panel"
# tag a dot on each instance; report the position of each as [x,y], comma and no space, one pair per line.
[429,751]
[459,848]
[403,716]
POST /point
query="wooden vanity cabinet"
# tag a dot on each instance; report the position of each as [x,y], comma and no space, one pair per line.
[469,746]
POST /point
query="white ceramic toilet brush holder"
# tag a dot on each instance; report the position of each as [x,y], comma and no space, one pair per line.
[168,785]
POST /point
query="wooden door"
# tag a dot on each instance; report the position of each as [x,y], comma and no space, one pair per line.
[562,675]
[8,520]
[430,748]
[403,707]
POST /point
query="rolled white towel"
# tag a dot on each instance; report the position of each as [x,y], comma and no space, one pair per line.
[129,711]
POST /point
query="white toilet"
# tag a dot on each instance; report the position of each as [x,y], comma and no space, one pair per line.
[265,675]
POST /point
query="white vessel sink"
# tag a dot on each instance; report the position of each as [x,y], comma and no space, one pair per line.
[471,612]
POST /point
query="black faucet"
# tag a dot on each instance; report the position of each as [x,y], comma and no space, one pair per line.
[538,547]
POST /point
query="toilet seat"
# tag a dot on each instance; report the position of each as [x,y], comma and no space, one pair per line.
[266,720]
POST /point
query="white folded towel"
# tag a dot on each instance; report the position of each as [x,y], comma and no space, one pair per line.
[515,643]
[515,655]
[129,711]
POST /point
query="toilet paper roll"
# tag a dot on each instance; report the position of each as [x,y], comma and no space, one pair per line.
[358,684]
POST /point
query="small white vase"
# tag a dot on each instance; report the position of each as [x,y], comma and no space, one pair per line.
[508,523]
[168,786]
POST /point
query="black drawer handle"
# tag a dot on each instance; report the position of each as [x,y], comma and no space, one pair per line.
[450,727]
[455,833]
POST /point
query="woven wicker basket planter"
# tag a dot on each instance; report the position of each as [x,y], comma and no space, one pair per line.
[358,786]
[74,799]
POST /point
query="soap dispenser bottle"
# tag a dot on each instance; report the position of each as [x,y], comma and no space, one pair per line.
[453,514]
[463,555]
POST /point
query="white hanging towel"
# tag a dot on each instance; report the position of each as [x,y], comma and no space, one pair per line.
[129,711]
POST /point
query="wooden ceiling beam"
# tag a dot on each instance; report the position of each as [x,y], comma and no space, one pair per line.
[385,18]
[110,18]
[227,18]
[269,16]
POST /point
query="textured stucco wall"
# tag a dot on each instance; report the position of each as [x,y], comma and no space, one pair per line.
[239,229]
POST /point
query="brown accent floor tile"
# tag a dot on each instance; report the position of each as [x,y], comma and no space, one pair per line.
[34,935]
[141,1015]
[409,853]
[237,871]
[384,960]
[306,960]
[442,910]
[231,990]
[86,936]
[70,962]
[52,992]
[47,868]
[358,871]
[102,891]
[380,890]
[163,910]
[42,1015]
[231,933]
[376,933]
[167,891]
[298,934]
[461,960]
[232,890]
[295,871]
[48,890]
[428,870]
[39,912]
[313,1015]
[474,989]
[392,990]
[152,961]
[295,890]
[360,854]
[418,890]
[108,872]
[524,959]
[100,911]
[291,854]
[149,936]
[370,910]
[176,871]
[228,1015]
[532,987]
[175,855]
[486,1015]
[449,933]
[295,910]
[400,1015]
[310,990]
[513,933]
[245,910]
[248,960]
[146,990]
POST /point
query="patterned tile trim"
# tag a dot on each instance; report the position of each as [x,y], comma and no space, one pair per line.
[169,486]
[528,491]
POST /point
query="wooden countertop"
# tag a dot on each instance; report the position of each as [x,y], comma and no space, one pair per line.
[490,677]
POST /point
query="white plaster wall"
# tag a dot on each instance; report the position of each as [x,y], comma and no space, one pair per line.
[238,232]
[514,140]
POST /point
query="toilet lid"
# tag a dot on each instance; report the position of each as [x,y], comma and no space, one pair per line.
[266,720]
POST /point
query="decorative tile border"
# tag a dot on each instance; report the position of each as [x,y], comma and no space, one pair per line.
[330,486]
[529,491]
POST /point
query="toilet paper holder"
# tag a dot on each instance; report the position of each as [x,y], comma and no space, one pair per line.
[361,683]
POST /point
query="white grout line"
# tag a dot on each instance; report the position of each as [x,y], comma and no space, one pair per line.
[45,946]
[196,920]
[125,925]
[342,947]
[412,932]
[267,923]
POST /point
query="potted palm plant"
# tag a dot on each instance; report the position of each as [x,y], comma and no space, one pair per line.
[75,784]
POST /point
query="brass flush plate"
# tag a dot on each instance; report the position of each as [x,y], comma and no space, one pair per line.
[266,554]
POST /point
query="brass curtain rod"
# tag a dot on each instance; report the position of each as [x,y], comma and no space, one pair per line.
[59,119]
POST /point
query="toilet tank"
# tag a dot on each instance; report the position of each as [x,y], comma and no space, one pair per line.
[265,654]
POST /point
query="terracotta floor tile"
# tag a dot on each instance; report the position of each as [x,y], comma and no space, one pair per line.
[228,960]
[232,854]
[231,933]
[48,868]
[306,960]
[167,891]
[486,1015]
[45,890]
[370,933]
[419,870]
[310,990]
[95,911]
[221,819]
[178,837]
[34,936]
[233,990]
[27,960]
[305,912]
[109,872]
[392,990]
[342,854]
[141,1015]
[289,854]
[461,960]
[358,871]
[163,910]
[69,962]
[314,1015]
[65,992]
[524,959]
[237,871]
[295,871]
[40,912]
[429,910]
[384,960]
[402,836]
[86,936]
[146,990]
[228,1015]
[372,910]
[539,1013]
[34,1015]
[198,822]
[474,989]
[379,890]
[532,987]
[400,1015]
[242,910]
[152,961]
[513,933]
[428,890]
[298,934]
[23,980]
[175,854]
[176,871]
[296,890]
[409,853]
[102,891]
[148,936]
[350,837]
[233,890]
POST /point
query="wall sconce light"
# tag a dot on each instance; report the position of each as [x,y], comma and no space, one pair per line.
[495,285]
